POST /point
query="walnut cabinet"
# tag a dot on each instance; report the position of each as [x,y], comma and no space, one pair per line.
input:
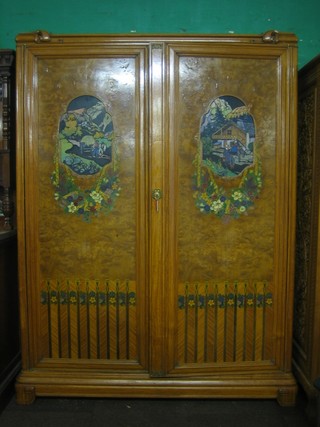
[156,215]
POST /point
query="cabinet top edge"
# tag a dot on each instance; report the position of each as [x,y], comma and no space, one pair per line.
[43,37]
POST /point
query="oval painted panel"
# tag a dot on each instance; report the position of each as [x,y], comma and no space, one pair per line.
[227,135]
[85,151]
[226,151]
[85,135]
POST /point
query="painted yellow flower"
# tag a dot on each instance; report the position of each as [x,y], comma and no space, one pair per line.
[217,206]
[72,208]
[96,196]
[237,195]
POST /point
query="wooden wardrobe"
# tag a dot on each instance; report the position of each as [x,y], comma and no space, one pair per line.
[156,215]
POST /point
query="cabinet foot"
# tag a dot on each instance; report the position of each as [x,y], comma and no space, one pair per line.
[25,395]
[287,396]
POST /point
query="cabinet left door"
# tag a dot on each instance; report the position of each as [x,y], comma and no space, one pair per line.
[82,208]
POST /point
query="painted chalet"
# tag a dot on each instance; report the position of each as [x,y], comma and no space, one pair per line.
[231,134]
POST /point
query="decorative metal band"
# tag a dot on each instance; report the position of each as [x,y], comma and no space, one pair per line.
[219,300]
[112,298]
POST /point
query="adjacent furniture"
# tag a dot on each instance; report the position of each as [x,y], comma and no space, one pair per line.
[307,287]
[7,138]
[156,215]
[10,358]
[317,386]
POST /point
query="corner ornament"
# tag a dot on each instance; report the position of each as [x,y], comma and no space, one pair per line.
[271,36]
[42,36]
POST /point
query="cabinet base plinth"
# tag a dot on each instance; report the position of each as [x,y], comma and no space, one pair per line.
[287,396]
[283,388]
[25,394]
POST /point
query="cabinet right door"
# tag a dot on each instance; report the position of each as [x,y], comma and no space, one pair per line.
[231,207]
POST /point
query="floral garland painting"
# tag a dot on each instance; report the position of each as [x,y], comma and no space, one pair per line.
[86,150]
[228,177]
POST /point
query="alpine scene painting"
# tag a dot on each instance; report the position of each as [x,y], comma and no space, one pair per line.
[86,149]
[86,133]
[227,135]
[227,155]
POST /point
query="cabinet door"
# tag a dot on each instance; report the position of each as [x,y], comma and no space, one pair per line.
[82,175]
[231,208]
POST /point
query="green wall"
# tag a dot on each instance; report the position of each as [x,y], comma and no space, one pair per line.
[164,16]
